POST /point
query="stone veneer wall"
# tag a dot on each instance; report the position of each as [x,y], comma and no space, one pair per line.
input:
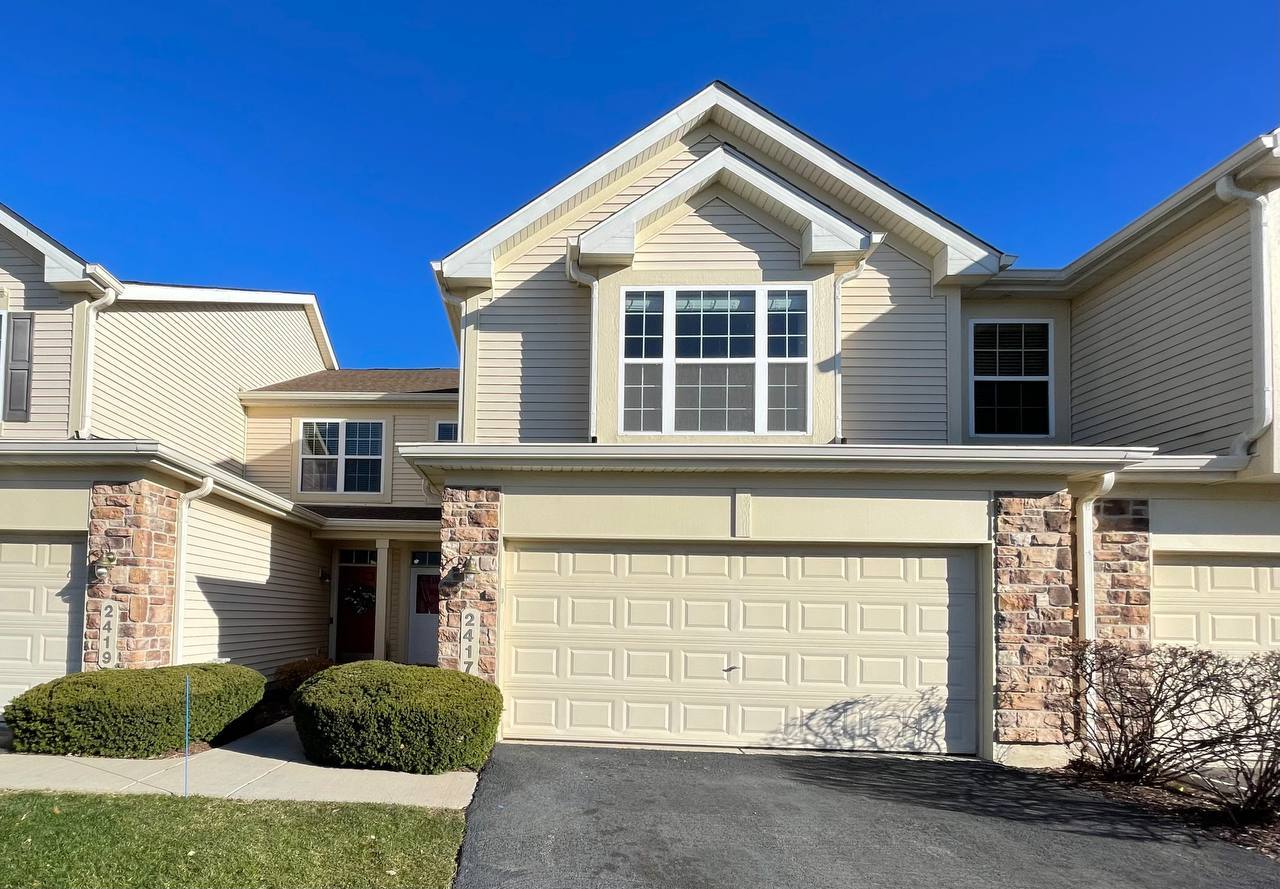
[138,522]
[1035,616]
[469,527]
[1122,570]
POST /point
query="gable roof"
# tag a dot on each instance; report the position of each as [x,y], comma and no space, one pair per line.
[62,268]
[957,252]
[142,291]
[407,381]
[826,235]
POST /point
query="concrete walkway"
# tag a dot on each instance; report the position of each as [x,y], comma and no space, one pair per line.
[268,764]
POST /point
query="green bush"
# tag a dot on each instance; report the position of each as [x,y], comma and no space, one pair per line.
[289,676]
[380,715]
[130,713]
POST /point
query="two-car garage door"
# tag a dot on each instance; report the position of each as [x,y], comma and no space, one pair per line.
[741,646]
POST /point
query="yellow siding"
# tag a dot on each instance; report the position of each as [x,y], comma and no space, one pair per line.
[1161,352]
[894,357]
[253,591]
[716,235]
[174,372]
[533,330]
[22,279]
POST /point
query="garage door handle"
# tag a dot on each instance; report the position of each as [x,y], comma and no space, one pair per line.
[730,669]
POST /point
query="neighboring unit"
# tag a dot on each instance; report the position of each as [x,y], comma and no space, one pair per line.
[757,450]
[194,455]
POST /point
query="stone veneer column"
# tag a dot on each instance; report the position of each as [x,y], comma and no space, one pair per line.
[1035,614]
[138,522]
[1122,570]
[469,528]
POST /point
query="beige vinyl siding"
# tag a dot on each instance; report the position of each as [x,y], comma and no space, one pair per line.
[894,355]
[406,484]
[1161,353]
[533,329]
[716,235]
[269,453]
[22,281]
[174,372]
[252,588]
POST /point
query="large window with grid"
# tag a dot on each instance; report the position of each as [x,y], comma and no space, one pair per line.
[341,456]
[715,360]
[1012,369]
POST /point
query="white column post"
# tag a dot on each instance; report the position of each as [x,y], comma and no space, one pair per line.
[380,602]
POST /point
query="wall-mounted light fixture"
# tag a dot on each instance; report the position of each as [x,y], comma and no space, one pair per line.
[463,569]
[103,562]
[325,577]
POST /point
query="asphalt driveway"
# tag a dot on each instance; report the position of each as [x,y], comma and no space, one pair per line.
[549,817]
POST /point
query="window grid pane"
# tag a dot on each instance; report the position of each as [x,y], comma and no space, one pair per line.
[319,474]
[446,432]
[1003,404]
[642,398]
[715,398]
[787,401]
[715,324]
[364,439]
[788,324]
[320,439]
[361,475]
[642,332]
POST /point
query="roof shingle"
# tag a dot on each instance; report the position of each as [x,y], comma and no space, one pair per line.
[410,381]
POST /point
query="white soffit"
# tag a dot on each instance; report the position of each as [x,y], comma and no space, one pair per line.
[960,256]
[826,236]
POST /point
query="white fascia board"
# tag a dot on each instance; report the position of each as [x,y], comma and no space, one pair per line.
[138,291]
[61,266]
[472,264]
[431,458]
[827,237]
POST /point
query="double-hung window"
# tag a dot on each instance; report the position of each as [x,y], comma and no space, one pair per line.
[716,360]
[341,456]
[1012,378]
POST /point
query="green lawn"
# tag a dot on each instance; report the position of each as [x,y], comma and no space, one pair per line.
[73,840]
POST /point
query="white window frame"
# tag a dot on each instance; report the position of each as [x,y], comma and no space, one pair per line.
[457,430]
[760,362]
[342,456]
[974,378]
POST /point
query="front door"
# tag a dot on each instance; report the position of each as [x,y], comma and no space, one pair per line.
[357,596]
[424,607]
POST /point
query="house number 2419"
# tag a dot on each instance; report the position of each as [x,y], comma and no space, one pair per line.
[469,641]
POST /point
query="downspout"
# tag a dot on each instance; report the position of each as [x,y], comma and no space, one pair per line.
[461,304]
[575,273]
[1228,191]
[877,238]
[108,298]
[1085,554]
[180,564]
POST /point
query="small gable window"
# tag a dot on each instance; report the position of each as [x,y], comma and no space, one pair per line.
[341,456]
[715,361]
[1011,378]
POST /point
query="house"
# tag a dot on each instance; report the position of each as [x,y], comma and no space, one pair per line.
[757,450]
[186,475]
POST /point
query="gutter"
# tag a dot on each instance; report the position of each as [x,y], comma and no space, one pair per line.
[111,290]
[877,238]
[1263,364]
[1085,524]
[180,562]
[574,273]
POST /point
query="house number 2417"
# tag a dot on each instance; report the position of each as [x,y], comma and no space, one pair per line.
[469,641]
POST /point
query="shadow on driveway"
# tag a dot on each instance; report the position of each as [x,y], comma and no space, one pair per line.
[564,817]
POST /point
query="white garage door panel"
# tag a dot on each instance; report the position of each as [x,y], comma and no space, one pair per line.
[42,585]
[816,648]
[1231,603]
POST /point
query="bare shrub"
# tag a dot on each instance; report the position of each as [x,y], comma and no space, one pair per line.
[1150,714]
[1245,772]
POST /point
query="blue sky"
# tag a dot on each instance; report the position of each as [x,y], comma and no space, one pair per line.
[337,148]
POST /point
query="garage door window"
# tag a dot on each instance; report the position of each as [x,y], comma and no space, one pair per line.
[715,361]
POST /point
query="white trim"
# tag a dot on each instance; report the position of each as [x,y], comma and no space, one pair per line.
[457,430]
[474,260]
[4,360]
[180,566]
[341,456]
[828,237]
[759,362]
[973,377]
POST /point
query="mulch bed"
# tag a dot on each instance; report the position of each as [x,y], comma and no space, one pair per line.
[1186,804]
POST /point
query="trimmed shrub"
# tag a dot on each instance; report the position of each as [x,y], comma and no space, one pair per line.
[291,675]
[130,713]
[380,715]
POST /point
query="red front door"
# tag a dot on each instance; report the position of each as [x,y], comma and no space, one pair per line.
[357,589]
